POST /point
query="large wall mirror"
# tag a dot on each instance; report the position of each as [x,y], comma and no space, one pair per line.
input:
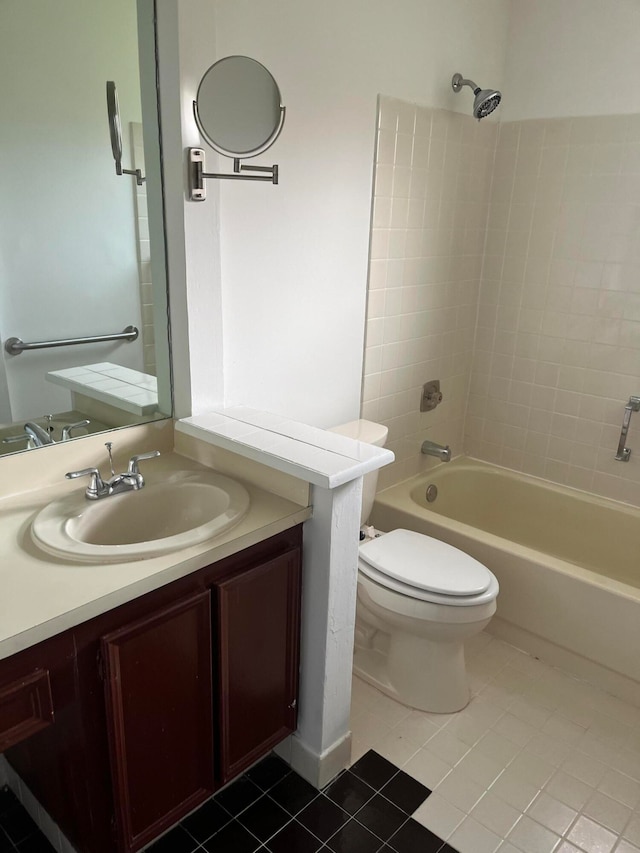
[81,248]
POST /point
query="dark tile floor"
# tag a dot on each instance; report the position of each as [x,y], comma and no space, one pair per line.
[366,809]
[17,831]
[271,809]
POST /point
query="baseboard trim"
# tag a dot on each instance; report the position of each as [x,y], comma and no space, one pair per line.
[319,769]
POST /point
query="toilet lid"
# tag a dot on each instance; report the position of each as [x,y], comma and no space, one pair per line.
[422,562]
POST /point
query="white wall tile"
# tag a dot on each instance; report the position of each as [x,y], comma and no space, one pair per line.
[522,237]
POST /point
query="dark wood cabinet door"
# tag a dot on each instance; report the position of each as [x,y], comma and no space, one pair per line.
[258,626]
[160,718]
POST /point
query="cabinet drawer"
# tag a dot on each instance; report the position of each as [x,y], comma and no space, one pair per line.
[25,708]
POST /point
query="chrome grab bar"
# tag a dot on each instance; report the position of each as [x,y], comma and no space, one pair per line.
[624,453]
[14,346]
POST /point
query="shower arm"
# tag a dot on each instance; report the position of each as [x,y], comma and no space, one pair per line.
[459,81]
[624,453]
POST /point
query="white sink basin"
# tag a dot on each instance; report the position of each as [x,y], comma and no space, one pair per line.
[187,509]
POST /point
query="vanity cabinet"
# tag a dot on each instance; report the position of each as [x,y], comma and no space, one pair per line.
[159,702]
[258,624]
[159,715]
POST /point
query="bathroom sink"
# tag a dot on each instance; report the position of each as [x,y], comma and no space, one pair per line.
[186,509]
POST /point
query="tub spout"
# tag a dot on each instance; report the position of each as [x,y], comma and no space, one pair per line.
[430,448]
[623,452]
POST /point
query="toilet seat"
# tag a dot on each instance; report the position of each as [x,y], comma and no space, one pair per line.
[427,569]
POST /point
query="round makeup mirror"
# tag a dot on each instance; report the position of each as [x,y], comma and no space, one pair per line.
[115,131]
[237,108]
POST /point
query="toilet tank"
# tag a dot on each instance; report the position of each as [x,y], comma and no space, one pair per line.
[371,433]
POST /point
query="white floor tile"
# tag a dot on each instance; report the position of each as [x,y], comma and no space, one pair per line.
[495,814]
[514,790]
[498,747]
[591,836]
[515,729]
[438,815]
[585,768]
[538,762]
[551,813]
[461,791]
[632,831]
[427,768]
[608,812]
[417,728]
[448,747]
[396,748]
[625,847]
[551,750]
[621,788]
[569,790]
[532,837]
[472,837]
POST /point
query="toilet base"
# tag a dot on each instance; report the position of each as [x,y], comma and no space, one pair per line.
[441,687]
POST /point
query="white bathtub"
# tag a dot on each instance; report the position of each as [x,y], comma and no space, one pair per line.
[568,563]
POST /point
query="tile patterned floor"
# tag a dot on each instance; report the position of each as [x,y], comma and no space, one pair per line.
[538,762]
[366,809]
[17,831]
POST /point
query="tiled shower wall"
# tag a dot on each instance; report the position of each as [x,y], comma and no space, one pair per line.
[557,351]
[431,203]
[541,246]
[144,253]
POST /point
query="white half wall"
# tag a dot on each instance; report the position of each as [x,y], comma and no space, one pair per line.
[294,257]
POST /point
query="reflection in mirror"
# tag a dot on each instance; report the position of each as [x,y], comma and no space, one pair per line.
[76,256]
[238,107]
[115,132]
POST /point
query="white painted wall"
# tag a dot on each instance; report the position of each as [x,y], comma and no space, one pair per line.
[68,262]
[571,58]
[294,257]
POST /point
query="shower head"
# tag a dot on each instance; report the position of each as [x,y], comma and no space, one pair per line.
[486,100]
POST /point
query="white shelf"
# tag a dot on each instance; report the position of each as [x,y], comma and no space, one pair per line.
[308,453]
[121,387]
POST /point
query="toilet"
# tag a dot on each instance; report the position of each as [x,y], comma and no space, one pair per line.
[418,600]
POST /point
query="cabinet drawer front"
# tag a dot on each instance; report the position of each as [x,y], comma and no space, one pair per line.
[25,708]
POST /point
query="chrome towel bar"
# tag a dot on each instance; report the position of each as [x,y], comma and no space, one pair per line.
[14,346]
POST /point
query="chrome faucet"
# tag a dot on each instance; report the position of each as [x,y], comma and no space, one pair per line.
[623,452]
[66,430]
[38,436]
[130,481]
[430,448]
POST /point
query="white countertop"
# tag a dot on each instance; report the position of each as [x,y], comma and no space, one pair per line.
[315,455]
[122,387]
[41,596]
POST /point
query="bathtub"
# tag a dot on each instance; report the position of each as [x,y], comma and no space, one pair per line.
[568,563]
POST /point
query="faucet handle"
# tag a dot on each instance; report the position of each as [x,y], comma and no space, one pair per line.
[66,430]
[12,439]
[133,462]
[96,482]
